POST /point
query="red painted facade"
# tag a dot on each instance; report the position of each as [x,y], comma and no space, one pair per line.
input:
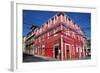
[59,38]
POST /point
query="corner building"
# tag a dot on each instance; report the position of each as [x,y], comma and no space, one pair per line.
[59,38]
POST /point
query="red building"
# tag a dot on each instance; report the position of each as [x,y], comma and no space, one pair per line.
[59,38]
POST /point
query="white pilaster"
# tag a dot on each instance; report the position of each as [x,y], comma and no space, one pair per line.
[61,45]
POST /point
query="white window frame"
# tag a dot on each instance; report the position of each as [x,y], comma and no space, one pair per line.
[54,50]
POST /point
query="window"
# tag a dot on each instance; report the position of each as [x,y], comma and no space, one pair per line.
[67,52]
[67,21]
[67,32]
[39,39]
[73,34]
[48,34]
[55,19]
[55,31]
[72,50]
[77,37]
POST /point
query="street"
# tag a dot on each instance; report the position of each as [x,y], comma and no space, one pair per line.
[31,58]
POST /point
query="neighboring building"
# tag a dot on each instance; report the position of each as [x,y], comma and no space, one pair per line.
[88,50]
[30,41]
[59,38]
[23,44]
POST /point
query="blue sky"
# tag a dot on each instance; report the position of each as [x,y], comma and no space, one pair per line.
[32,17]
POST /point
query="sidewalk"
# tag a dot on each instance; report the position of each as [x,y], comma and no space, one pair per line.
[46,58]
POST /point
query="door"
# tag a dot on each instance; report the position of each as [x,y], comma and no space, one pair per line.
[67,52]
[56,51]
[79,53]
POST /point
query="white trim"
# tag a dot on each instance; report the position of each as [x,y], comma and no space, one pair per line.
[62,47]
[54,20]
[73,50]
[55,30]
[48,34]
[43,46]
[76,48]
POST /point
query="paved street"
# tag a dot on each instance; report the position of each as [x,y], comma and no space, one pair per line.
[31,58]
